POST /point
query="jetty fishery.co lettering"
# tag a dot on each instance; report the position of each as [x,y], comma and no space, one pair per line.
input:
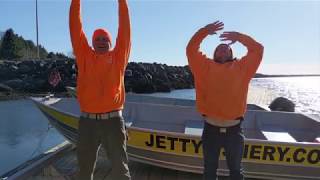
[284,154]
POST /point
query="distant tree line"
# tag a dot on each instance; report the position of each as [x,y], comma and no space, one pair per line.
[15,47]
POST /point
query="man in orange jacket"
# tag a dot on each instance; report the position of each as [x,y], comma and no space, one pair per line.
[101,93]
[221,92]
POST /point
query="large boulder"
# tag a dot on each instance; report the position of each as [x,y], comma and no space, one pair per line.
[148,78]
[282,104]
[16,84]
[5,88]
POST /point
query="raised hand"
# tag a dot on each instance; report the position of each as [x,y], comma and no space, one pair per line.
[214,27]
[230,36]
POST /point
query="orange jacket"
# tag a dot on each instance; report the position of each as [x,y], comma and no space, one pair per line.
[100,81]
[221,89]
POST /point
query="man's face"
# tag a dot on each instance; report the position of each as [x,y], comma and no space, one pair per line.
[101,44]
[222,53]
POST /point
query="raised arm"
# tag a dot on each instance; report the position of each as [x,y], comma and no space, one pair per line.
[196,58]
[78,38]
[123,43]
[253,58]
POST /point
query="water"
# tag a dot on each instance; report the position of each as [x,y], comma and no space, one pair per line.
[24,133]
[303,91]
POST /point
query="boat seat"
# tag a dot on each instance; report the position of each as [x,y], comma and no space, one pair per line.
[169,127]
[193,127]
[128,124]
[278,135]
[127,119]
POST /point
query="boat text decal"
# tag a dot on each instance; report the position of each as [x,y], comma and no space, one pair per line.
[252,152]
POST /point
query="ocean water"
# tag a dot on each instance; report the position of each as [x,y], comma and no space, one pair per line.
[24,133]
[303,91]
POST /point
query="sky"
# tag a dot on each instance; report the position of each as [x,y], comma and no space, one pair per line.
[161,29]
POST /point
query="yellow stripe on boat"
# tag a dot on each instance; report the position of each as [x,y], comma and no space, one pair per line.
[268,153]
[63,118]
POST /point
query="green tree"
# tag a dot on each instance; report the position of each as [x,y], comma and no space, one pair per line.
[16,47]
[10,46]
[42,52]
[1,35]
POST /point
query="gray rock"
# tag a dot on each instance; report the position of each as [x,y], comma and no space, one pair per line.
[282,104]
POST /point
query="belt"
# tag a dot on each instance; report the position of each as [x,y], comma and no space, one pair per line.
[101,116]
[229,129]
[223,123]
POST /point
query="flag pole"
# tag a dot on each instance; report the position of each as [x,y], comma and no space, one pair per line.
[38,54]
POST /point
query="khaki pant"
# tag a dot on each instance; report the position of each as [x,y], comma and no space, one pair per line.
[111,134]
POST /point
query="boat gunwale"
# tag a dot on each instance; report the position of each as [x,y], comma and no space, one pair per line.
[72,115]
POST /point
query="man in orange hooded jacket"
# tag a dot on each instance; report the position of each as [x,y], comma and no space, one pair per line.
[221,92]
[101,93]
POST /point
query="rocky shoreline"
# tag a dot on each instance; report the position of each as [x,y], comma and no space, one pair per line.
[31,76]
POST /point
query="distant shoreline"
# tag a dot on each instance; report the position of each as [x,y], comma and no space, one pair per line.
[258,75]
[23,95]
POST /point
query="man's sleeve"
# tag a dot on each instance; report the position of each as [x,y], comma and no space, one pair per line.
[78,38]
[123,43]
[198,62]
[252,60]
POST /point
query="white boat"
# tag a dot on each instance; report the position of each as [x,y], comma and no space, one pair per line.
[167,133]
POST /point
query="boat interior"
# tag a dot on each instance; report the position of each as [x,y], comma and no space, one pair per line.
[180,116]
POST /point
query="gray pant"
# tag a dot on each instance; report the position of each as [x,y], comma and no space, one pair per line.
[111,134]
[233,142]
